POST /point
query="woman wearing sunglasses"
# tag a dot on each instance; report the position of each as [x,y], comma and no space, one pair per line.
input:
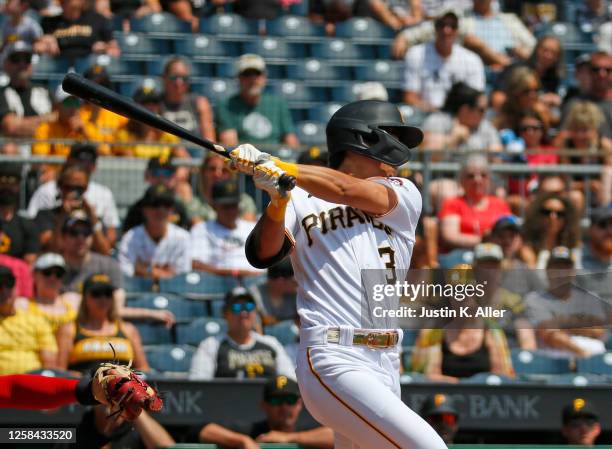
[99,335]
[550,221]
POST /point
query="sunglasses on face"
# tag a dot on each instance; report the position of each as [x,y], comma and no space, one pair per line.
[183,78]
[162,172]
[443,418]
[548,212]
[80,190]
[525,128]
[101,294]
[603,224]
[475,175]
[20,58]
[161,204]
[55,272]
[79,232]
[598,69]
[442,25]
[239,307]
[578,422]
[280,400]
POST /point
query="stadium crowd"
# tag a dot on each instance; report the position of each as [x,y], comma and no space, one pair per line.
[489,82]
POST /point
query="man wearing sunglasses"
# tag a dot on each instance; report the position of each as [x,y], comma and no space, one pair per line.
[596,260]
[242,352]
[440,412]
[282,405]
[581,425]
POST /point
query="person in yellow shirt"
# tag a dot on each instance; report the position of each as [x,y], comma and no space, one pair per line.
[26,341]
[138,140]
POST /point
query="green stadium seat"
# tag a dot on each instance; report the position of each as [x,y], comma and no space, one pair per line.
[201,45]
[296,91]
[160,22]
[183,309]
[274,48]
[363,28]
[229,25]
[299,9]
[114,66]
[527,362]
[383,71]
[216,89]
[141,44]
[133,284]
[338,49]
[198,284]
[489,379]
[170,358]
[44,64]
[285,331]
[579,380]
[317,69]
[311,133]
[597,364]
[294,26]
[323,112]
[199,329]
[153,333]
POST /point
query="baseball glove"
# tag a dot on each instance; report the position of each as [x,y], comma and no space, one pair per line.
[124,391]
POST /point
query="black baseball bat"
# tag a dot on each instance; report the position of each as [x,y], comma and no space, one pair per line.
[78,86]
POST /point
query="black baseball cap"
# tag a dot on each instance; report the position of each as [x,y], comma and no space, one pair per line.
[78,216]
[438,404]
[98,74]
[99,283]
[147,94]
[280,386]
[226,192]
[506,222]
[83,152]
[161,162]
[238,294]
[7,278]
[579,408]
[447,15]
[313,156]
[19,47]
[158,194]
[561,254]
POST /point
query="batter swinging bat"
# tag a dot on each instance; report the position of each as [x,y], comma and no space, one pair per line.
[83,88]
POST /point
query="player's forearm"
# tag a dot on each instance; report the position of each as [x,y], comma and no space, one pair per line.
[153,435]
[321,437]
[267,238]
[214,433]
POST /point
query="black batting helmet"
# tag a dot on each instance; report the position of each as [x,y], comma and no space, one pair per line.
[372,128]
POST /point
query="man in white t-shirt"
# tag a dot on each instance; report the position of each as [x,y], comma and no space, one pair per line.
[157,248]
[218,245]
[97,195]
[432,68]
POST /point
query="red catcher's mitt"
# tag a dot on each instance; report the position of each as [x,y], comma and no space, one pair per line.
[124,391]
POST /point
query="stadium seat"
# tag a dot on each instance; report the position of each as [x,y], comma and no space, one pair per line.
[316,69]
[160,22]
[566,32]
[183,309]
[411,115]
[294,26]
[228,24]
[597,364]
[198,284]
[335,49]
[43,64]
[324,112]
[140,44]
[299,8]
[527,362]
[311,133]
[489,379]
[274,48]
[201,69]
[578,380]
[205,46]
[170,358]
[383,71]
[296,91]
[153,333]
[193,333]
[113,66]
[363,28]
[132,284]
[253,281]
[410,337]
[216,89]
[345,93]
[285,331]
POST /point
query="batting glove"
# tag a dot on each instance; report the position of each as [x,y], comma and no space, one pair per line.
[245,157]
[266,178]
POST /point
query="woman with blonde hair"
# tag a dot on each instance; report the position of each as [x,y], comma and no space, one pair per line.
[99,334]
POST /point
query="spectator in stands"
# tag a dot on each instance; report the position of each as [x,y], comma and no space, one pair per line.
[68,125]
[72,183]
[591,14]
[18,236]
[157,248]
[242,353]
[596,260]
[517,276]
[440,412]
[218,245]
[27,340]
[23,275]
[77,32]
[276,298]
[600,90]
[568,319]
[581,131]
[262,9]
[191,111]
[582,80]
[492,35]
[22,106]
[81,262]
[48,302]
[252,115]
[214,169]
[550,221]
[432,68]
[282,405]
[521,97]
[18,27]
[100,124]
[97,195]
[127,9]
[581,425]
[464,220]
[99,335]
[397,14]
[546,61]
[330,12]
[134,131]
[461,124]
[98,430]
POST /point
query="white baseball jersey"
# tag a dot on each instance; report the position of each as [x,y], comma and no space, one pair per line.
[335,242]
[173,250]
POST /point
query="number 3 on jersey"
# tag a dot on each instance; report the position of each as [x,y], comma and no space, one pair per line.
[388,256]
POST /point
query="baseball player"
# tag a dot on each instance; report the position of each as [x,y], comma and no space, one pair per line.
[338,223]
